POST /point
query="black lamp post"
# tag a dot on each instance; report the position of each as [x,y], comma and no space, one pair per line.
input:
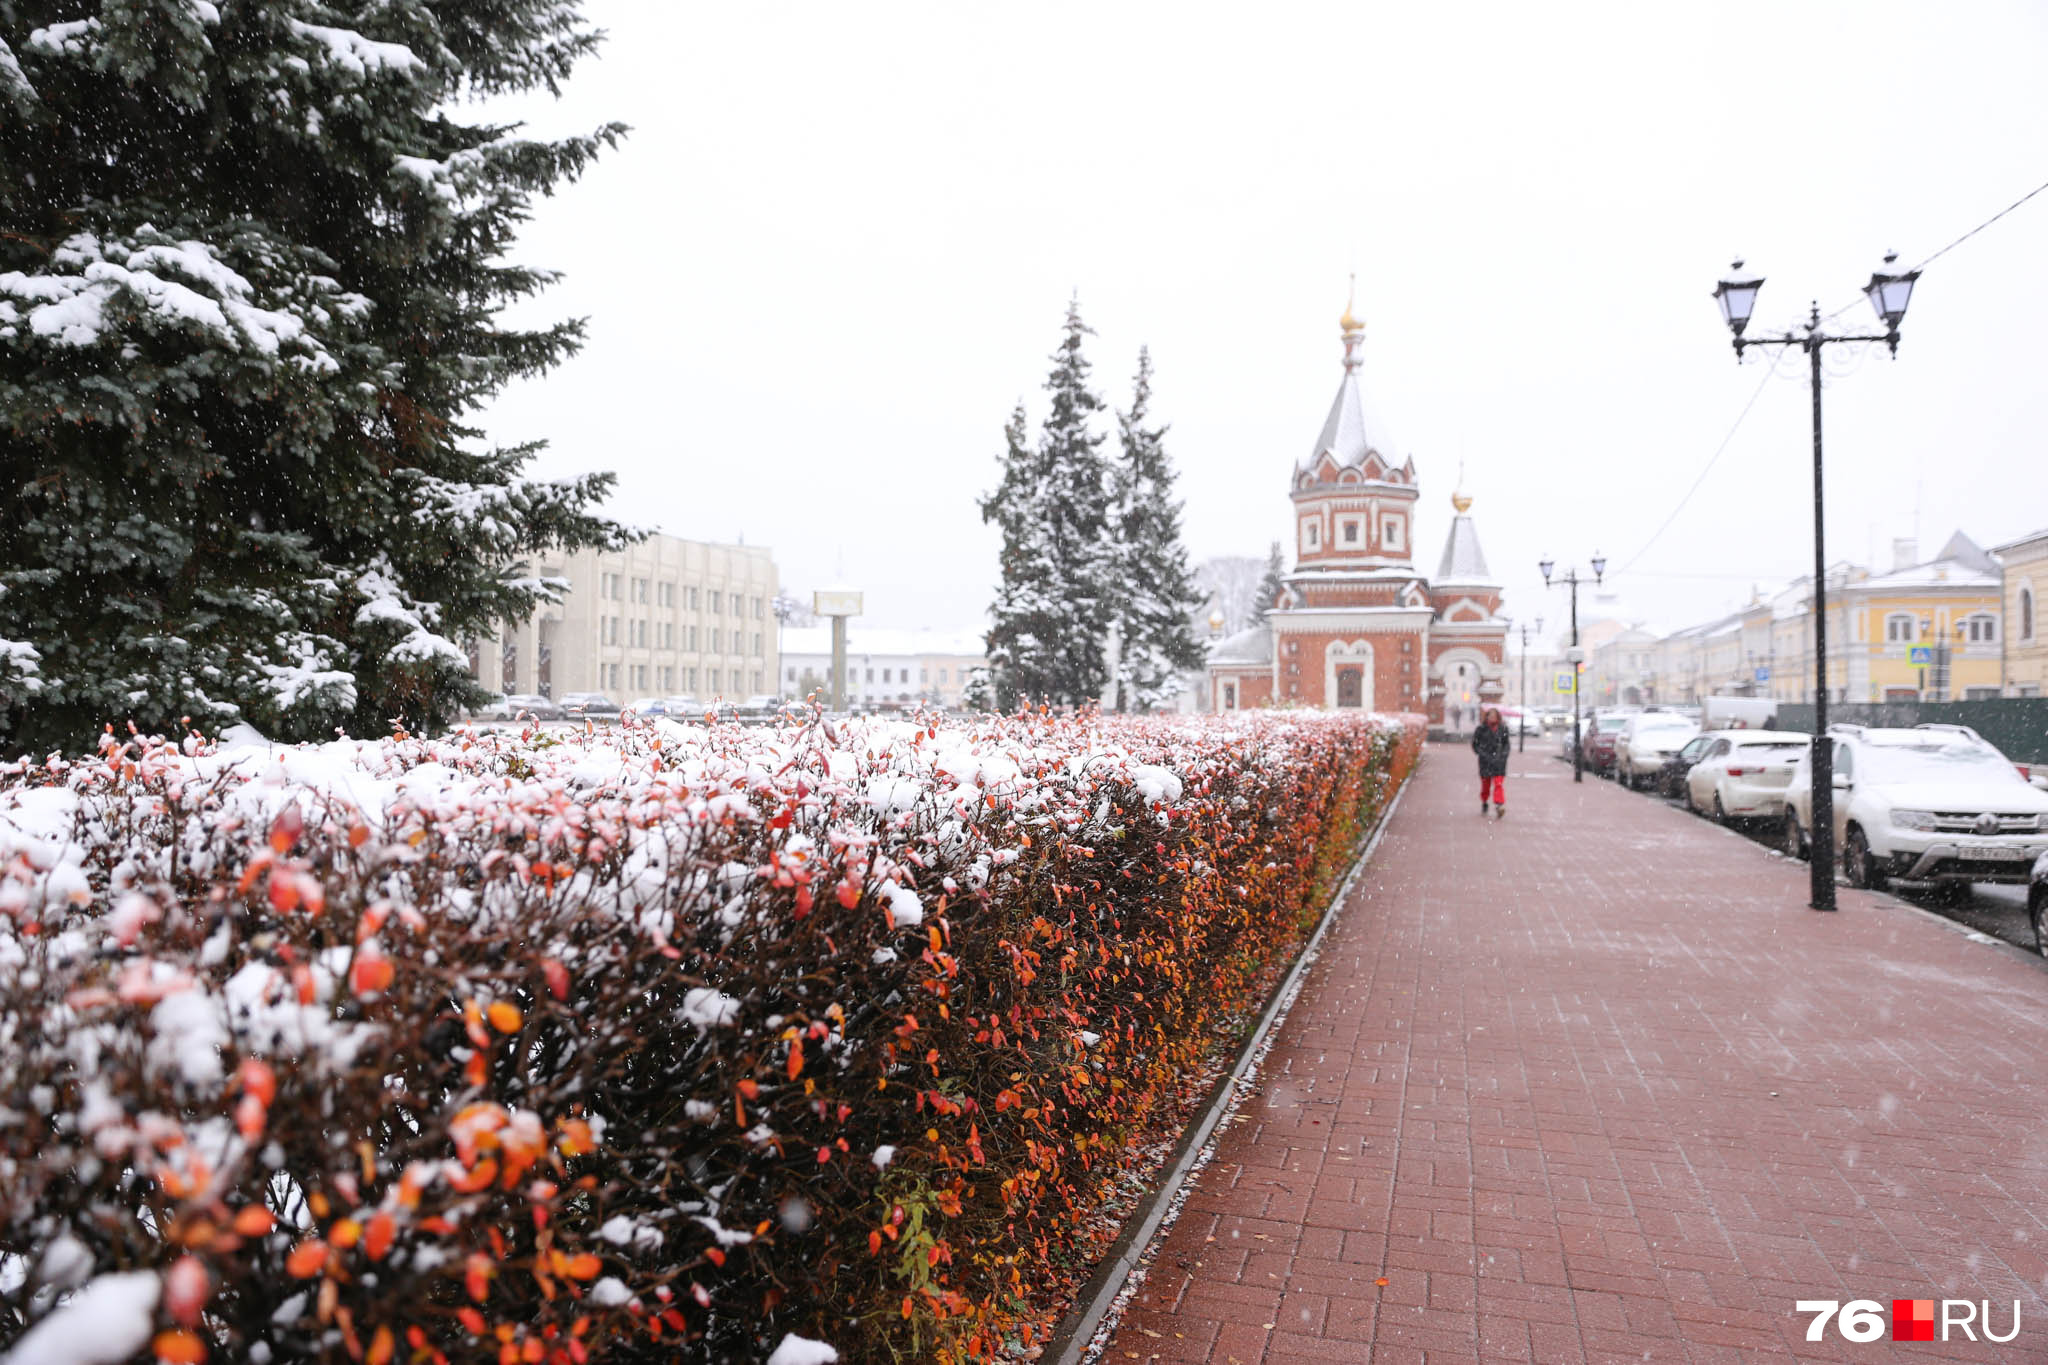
[1576,657]
[1889,291]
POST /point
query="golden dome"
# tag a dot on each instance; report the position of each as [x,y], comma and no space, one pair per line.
[1349,323]
[1462,502]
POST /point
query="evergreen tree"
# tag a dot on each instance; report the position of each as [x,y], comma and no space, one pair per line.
[1155,593]
[248,297]
[1273,585]
[1050,616]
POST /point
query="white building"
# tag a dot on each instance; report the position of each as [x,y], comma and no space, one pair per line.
[664,617]
[883,667]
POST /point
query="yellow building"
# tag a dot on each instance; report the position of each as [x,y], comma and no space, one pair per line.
[1925,631]
[2024,570]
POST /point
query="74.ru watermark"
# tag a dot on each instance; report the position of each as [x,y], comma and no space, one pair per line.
[1909,1320]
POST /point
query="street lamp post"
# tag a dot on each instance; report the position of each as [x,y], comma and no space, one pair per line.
[1522,726]
[1577,656]
[1889,291]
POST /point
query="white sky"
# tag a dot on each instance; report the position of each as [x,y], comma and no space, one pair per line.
[838,245]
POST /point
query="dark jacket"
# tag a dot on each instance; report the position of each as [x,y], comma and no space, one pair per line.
[1491,743]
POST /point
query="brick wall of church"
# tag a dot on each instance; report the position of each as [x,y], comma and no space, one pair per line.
[1397,673]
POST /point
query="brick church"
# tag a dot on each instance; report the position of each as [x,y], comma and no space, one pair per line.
[1357,625]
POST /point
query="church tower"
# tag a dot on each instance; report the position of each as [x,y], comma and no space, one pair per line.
[1356,624]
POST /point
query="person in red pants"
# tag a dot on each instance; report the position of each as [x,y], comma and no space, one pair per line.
[1490,742]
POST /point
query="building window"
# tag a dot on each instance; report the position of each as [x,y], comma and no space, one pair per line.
[757,609]
[718,604]
[1982,629]
[1349,527]
[871,675]
[714,680]
[942,677]
[2027,612]
[1391,532]
[1230,696]
[757,644]
[639,590]
[693,599]
[1311,534]
[735,604]
[1979,693]
[611,673]
[792,673]
[757,681]
[717,640]
[1898,628]
[693,680]
[693,643]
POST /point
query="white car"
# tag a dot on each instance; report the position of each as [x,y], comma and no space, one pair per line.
[1744,773]
[1646,743]
[1933,805]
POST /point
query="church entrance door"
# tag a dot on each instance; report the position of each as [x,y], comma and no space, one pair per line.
[1350,687]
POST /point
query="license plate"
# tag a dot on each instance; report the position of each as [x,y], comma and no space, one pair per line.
[1996,854]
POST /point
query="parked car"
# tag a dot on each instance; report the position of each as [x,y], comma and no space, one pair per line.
[648,706]
[683,708]
[761,705]
[1671,778]
[1931,806]
[1743,774]
[2037,901]
[516,704]
[589,704]
[1646,742]
[1601,734]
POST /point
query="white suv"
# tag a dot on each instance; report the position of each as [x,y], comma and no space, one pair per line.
[1928,805]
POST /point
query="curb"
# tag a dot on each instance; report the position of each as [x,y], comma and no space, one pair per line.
[1073,1340]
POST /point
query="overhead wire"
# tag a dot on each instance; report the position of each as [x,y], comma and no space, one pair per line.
[1713,459]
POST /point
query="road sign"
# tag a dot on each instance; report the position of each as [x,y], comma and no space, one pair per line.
[1921,654]
[1763,675]
[1562,683]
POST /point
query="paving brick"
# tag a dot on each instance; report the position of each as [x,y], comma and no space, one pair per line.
[1591,1083]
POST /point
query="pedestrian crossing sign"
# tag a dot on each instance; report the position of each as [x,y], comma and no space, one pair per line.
[1563,683]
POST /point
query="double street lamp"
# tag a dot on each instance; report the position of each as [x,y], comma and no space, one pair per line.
[1889,291]
[1575,656]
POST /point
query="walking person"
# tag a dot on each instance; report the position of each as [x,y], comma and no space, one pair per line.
[1492,743]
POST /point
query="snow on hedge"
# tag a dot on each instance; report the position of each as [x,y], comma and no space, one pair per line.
[619,1026]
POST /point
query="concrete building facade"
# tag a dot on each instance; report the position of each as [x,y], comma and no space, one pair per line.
[884,668]
[663,617]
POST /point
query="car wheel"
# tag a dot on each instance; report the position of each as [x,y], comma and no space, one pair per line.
[1857,864]
[1794,841]
[1720,811]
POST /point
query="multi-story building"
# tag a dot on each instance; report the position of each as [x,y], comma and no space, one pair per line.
[1356,624]
[2023,580]
[884,667]
[1925,631]
[662,617]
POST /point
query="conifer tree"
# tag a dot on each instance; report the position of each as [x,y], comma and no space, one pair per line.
[1050,615]
[249,288]
[1273,584]
[1154,592]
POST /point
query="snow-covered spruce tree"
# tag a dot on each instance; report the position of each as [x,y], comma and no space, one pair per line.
[1155,594]
[249,287]
[1272,586]
[1050,617]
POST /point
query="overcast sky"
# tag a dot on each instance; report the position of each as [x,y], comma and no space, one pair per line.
[837,247]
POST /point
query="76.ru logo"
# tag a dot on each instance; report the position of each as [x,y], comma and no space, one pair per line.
[1911,1319]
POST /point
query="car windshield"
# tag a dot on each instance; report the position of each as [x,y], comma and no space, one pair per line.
[1785,744]
[1937,762]
[1675,724]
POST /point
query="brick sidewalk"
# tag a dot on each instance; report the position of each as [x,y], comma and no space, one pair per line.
[1591,1083]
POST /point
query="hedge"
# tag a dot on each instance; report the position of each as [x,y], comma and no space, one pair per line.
[647,1043]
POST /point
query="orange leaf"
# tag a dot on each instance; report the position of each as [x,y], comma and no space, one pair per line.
[186,1289]
[254,1221]
[584,1267]
[345,1233]
[749,1089]
[476,1069]
[558,978]
[306,1259]
[477,1177]
[796,1058]
[257,1079]
[178,1347]
[372,974]
[381,1347]
[505,1016]
[377,1237]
